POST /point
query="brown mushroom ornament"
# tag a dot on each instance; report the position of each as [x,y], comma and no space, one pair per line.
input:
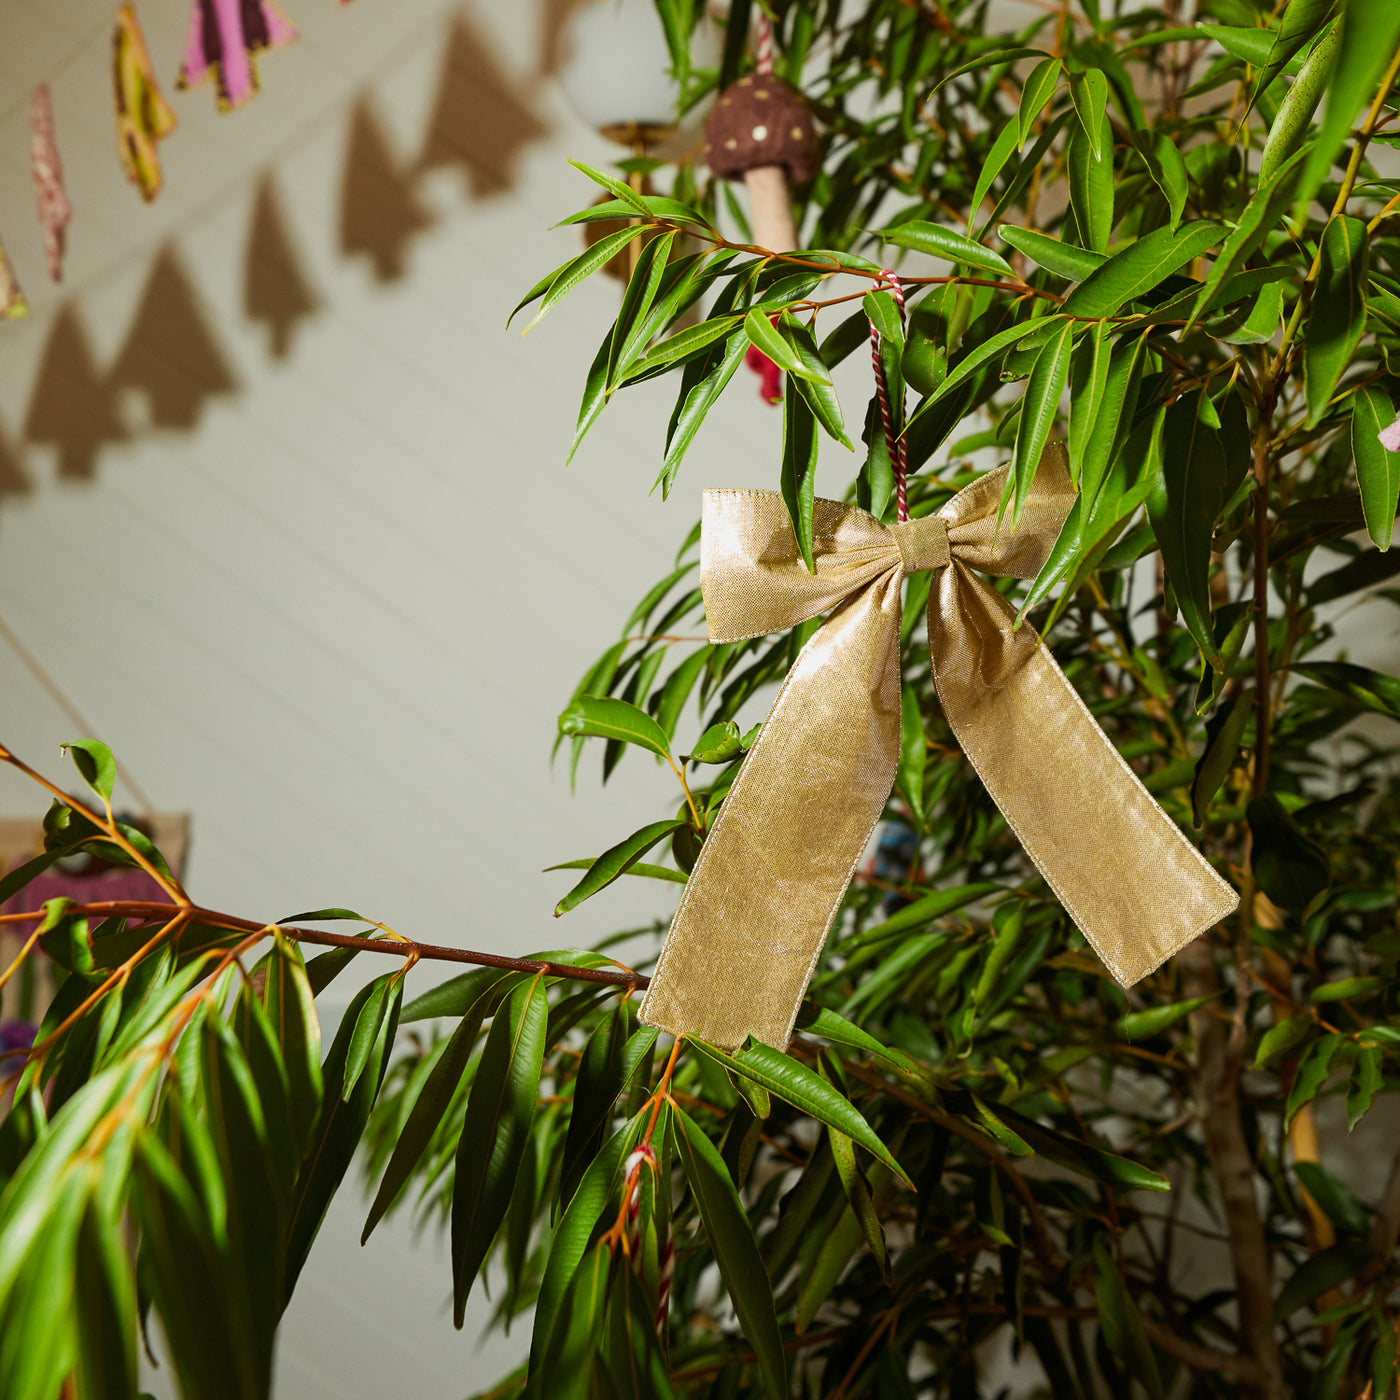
[760,131]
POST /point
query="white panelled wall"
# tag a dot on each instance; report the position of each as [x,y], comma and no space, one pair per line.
[283,510]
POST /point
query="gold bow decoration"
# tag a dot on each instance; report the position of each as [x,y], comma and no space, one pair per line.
[773,869]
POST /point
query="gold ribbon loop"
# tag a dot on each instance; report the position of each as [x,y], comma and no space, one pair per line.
[771,874]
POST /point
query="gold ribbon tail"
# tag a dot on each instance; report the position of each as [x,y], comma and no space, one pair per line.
[1125,873]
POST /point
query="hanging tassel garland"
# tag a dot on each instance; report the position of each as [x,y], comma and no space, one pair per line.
[12,302]
[143,116]
[50,196]
[224,37]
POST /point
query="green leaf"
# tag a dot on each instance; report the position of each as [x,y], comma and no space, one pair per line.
[924,910]
[1301,21]
[814,386]
[1089,170]
[687,342]
[433,1099]
[641,869]
[658,206]
[1021,1135]
[1139,1025]
[1089,93]
[106,1307]
[996,58]
[736,1252]
[1121,1322]
[940,242]
[798,474]
[695,400]
[1038,89]
[1370,37]
[495,1132]
[1223,736]
[913,753]
[95,762]
[822,1274]
[1249,45]
[828,1025]
[364,1036]
[1346,989]
[1342,1208]
[570,1244]
[767,337]
[1367,1080]
[975,358]
[1063,259]
[1261,216]
[794,1083]
[615,187]
[1337,316]
[615,862]
[718,744]
[1324,1271]
[1293,120]
[1314,1066]
[628,340]
[456,996]
[1183,506]
[1039,408]
[1089,372]
[884,315]
[1142,265]
[1280,1037]
[580,269]
[604,717]
[997,157]
[339,1126]
[1291,869]
[858,1195]
[610,1060]
[1008,924]
[1166,168]
[1377,470]
[1370,689]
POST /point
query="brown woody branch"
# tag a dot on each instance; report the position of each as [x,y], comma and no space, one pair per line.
[151,910]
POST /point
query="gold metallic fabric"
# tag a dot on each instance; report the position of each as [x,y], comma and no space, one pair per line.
[772,871]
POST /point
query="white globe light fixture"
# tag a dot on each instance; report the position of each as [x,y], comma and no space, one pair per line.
[617,74]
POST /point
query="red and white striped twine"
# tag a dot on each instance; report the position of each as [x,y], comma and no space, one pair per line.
[894,445]
[765,44]
[631,1171]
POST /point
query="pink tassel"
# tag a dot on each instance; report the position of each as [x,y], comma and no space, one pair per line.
[770,377]
[50,196]
[224,36]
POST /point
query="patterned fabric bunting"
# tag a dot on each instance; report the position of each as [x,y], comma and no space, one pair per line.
[143,116]
[224,36]
[12,302]
[52,199]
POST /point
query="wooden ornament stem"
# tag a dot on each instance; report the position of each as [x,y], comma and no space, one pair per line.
[769,210]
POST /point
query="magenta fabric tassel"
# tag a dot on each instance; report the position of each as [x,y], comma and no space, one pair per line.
[224,37]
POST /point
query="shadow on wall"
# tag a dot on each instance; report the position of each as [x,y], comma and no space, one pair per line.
[275,290]
[172,362]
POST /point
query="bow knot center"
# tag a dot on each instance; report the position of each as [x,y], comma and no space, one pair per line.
[923,543]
